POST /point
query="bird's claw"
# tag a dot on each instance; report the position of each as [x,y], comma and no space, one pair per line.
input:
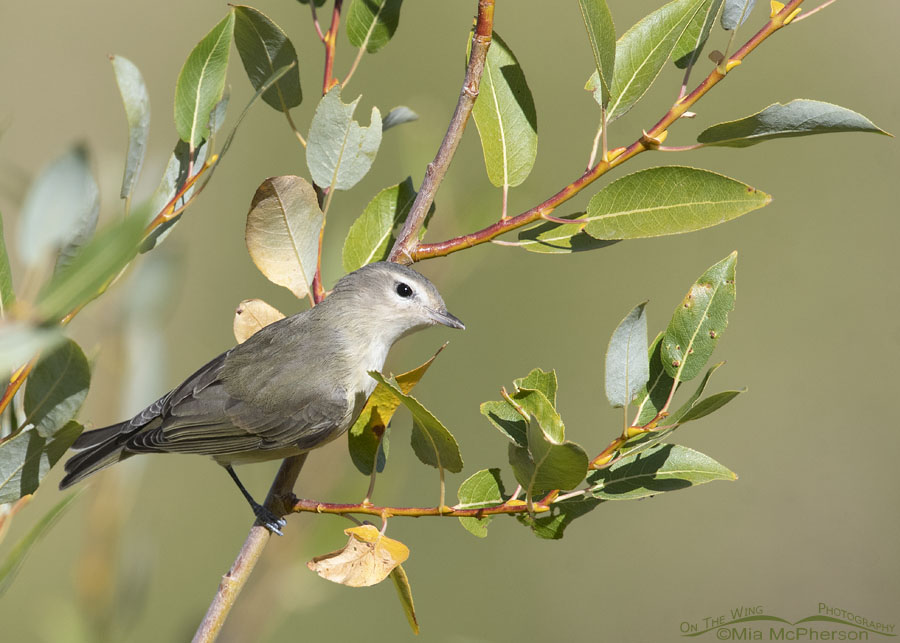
[269,519]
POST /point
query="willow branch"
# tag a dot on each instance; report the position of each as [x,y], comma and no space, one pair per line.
[649,140]
[234,581]
[330,41]
[434,174]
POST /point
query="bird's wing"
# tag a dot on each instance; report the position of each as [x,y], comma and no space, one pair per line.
[202,417]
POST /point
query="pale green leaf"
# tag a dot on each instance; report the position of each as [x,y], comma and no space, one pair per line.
[539,380]
[17,555]
[7,295]
[370,236]
[432,442]
[20,341]
[506,118]
[481,489]
[627,364]
[699,321]
[282,232]
[136,100]
[800,117]
[668,200]
[709,405]
[339,150]
[27,457]
[398,116]
[559,238]
[675,417]
[602,34]
[372,23]
[56,388]
[662,467]
[95,265]
[687,49]
[201,82]
[60,211]
[507,420]
[265,48]
[642,52]
[736,13]
[536,404]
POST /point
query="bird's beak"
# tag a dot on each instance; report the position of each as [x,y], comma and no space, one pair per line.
[447,319]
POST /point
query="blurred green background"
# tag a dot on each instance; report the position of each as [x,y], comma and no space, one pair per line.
[814,337]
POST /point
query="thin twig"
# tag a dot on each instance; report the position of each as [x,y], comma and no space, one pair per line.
[312,6]
[814,11]
[413,252]
[330,46]
[246,560]
[434,174]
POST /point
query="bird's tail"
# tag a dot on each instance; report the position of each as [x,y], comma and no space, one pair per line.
[100,448]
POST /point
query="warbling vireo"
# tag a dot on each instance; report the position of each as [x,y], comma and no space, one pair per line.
[291,387]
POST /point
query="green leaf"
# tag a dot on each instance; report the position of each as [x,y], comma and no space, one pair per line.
[668,200]
[60,210]
[507,420]
[800,117]
[282,232]
[95,265]
[548,462]
[264,48]
[404,593]
[675,417]
[602,34]
[662,467]
[398,116]
[505,116]
[367,438]
[56,388]
[27,457]
[736,13]
[136,100]
[539,380]
[642,52]
[709,405]
[372,23]
[17,555]
[655,393]
[551,525]
[370,236]
[20,341]
[482,489]
[559,238]
[339,151]
[201,82]
[687,49]
[7,295]
[699,321]
[432,442]
[627,364]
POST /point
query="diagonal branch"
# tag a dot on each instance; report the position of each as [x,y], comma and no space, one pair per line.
[650,139]
[403,249]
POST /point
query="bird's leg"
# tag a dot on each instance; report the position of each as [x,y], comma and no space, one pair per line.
[265,517]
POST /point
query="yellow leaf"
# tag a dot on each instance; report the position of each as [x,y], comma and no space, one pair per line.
[251,315]
[366,559]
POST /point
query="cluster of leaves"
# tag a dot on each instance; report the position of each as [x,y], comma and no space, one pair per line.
[61,249]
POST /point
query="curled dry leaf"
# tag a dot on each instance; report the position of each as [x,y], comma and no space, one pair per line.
[367,559]
[251,315]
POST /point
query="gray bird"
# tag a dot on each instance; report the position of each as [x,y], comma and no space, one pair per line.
[291,387]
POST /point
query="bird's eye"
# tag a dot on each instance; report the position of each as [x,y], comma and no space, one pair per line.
[404,290]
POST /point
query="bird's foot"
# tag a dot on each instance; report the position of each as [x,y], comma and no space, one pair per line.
[269,519]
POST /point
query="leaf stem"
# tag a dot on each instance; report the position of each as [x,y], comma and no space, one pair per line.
[413,252]
[312,6]
[814,11]
[407,240]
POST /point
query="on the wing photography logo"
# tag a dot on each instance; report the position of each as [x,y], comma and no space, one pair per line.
[755,623]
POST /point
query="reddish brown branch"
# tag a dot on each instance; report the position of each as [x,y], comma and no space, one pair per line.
[434,174]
